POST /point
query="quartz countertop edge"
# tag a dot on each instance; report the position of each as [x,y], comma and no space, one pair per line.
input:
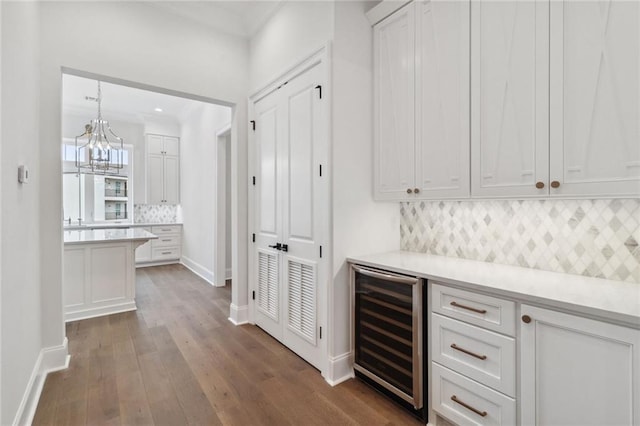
[618,301]
[84,236]
[117,225]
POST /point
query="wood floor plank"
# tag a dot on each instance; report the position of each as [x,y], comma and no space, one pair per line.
[177,360]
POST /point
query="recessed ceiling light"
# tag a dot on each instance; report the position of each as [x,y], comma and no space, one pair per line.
[158,109]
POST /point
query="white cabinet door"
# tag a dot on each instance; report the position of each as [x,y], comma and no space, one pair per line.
[171,145]
[155,144]
[171,179]
[442,99]
[595,98]
[155,178]
[578,371]
[509,92]
[394,91]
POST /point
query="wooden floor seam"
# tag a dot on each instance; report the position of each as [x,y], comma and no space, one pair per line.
[178,360]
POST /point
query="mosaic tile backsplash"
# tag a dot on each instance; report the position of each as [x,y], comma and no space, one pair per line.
[154,213]
[596,238]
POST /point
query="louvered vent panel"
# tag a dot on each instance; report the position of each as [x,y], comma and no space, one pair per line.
[268,284]
[302,300]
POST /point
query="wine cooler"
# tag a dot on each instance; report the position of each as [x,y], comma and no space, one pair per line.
[388,342]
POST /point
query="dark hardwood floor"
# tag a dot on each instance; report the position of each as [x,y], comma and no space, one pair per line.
[177,360]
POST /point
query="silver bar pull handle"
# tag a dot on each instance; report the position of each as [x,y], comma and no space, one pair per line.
[401,279]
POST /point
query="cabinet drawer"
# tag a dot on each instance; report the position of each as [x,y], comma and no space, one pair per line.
[165,253]
[467,402]
[165,229]
[484,311]
[482,355]
[166,241]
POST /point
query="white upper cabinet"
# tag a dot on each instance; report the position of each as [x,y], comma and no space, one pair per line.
[595,98]
[442,99]
[421,57]
[163,169]
[394,137]
[509,92]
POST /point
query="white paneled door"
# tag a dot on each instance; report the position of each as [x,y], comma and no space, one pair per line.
[595,98]
[291,210]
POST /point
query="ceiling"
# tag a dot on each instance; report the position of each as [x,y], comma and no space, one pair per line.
[121,102]
[240,17]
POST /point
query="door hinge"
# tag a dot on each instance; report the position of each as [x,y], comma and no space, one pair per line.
[320,170]
[253,125]
[254,180]
[320,251]
[253,238]
[253,295]
[321,332]
[319,87]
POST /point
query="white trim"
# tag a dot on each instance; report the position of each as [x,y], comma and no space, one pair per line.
[239,315]
[227,274]
[224,130]
[98,312]
[157,263]
[50,359]
[340,369]
[384,9]
[198,269]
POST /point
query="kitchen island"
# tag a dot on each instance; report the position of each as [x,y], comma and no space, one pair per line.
[99,271]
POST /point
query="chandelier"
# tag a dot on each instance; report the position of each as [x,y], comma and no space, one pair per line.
[99,150]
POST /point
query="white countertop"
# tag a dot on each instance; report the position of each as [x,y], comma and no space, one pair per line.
[84,236]
[116,225]
[614,300]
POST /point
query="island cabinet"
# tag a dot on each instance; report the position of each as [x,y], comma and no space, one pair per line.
[577,370]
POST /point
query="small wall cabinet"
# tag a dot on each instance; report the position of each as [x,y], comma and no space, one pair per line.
[421,66]
[577,370]
[163,169]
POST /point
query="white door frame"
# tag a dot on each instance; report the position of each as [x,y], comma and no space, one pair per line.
[220,222]
[322,56]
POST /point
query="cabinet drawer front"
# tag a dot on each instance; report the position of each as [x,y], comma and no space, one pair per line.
[165,253]
[469,403]
[165,229]
[482,355]
[166,241]
[484,311]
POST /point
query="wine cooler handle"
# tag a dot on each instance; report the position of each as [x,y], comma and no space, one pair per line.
[401,279]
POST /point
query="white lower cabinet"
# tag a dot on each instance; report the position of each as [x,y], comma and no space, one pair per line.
[577,370]
[473,367]
[467,402]
[167,248]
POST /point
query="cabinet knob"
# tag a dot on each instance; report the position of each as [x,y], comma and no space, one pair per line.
[409,190]
[555,184]
[416,190]
[539,185]
[526,319]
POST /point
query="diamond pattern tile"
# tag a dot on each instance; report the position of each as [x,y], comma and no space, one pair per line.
[154,213]
[596,238]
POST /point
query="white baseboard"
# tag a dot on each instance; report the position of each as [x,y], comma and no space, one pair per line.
[340,369]
[49,360]
[198,269]
[227,274]
[98,312]
[239,314]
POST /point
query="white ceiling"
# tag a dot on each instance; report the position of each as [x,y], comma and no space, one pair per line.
[240,17]
[121,102]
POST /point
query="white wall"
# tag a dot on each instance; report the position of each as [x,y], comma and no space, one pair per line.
[299,28]
[20,272]
[143,45]
[198,179]
[355,214]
